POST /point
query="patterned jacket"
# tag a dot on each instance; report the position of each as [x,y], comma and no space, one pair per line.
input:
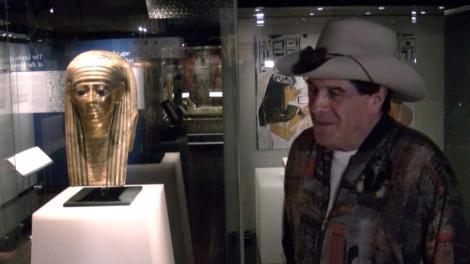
[397,203]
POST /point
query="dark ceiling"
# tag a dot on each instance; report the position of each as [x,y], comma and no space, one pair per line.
[196,20]
[90,19]
[298,3]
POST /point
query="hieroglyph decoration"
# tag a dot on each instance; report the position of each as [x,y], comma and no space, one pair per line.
[281,101]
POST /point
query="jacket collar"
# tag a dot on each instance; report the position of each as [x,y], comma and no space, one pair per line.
[323,156]
[369,149]
[377,134]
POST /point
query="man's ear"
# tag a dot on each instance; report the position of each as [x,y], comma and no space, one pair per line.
[378,97]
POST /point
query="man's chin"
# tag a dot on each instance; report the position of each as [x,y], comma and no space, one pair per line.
[324,142]
[327,139]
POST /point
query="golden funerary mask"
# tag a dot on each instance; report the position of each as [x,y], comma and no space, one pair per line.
[100,118]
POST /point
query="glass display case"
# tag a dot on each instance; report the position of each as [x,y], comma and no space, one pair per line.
[178,53]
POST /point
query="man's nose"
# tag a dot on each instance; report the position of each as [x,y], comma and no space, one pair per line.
[319,102]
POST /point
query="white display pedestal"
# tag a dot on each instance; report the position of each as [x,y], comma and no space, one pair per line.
[269,191]
[169,172]
[138,233]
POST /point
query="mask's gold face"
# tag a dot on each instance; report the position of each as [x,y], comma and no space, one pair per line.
[94,101]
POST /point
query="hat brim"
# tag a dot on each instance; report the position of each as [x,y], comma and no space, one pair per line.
[404,83]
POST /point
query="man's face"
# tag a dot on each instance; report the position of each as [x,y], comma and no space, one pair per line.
[341,117]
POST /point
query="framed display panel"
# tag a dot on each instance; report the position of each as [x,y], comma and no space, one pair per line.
[281,101]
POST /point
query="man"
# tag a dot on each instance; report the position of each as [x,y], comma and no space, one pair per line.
[360,187]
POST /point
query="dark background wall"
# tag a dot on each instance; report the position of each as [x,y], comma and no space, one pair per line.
[457,99]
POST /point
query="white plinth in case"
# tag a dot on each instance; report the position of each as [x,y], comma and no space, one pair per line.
[137,233]
[269,191]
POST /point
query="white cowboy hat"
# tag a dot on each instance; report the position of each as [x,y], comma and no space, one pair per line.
[357,50]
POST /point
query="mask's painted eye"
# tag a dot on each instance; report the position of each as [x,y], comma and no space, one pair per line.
[80,92]
[102,90]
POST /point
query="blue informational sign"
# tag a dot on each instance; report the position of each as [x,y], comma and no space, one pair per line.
[131,49]
[37,56]
[55,56]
